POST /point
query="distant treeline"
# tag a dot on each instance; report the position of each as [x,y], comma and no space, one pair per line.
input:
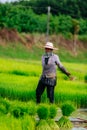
[73,8]
[31,16]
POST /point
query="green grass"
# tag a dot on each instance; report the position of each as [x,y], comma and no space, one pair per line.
[20,51]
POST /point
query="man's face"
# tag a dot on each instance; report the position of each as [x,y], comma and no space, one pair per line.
[48,50]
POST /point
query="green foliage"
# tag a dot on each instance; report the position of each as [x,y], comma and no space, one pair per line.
[83,38]
[34,19]
[58,7]
[43,111]
[67,109]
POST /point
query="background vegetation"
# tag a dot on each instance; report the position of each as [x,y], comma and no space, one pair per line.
[31,16]
[23,25]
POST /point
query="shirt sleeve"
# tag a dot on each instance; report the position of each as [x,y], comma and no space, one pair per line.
[60,66]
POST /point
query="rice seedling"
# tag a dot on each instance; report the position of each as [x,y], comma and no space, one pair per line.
[43,125]
[4,106]
[53,125]
[43,111]
[67,109]
[28,123]
[52,113]
[85,78]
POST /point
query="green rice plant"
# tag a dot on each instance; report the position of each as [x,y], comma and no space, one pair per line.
[64,122]
[3,126]
[85,78]
[28,123]
[32,108]
[19,78]
[74,91]
[17,112]
[4,106]
[42,125]
[43,111]
[7,122]
[67,108]
[18,72]
[15,124]
[2,109]
[52,111]
[18,109]
[53,125]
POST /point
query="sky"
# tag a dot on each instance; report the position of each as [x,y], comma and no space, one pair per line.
[3,1]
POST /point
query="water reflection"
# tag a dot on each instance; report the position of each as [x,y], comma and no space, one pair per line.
[81,119]
[78,126]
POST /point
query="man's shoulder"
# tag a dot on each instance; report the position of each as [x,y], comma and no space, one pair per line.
[55,55]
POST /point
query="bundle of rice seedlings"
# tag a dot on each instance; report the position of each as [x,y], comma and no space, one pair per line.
[43,111]
[42,125]
[53,125]
[43,114]
[64,122]
[52,113]
[67,109]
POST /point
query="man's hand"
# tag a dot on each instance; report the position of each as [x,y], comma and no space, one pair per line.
[68,74]
[72,77]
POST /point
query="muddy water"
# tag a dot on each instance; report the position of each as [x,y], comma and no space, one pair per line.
[79,119]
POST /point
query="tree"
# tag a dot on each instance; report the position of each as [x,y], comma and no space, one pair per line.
[75,30]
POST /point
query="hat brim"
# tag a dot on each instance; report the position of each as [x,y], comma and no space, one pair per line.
[51,48]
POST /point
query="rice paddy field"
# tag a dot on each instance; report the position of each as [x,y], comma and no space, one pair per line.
[18,82]
[19,79]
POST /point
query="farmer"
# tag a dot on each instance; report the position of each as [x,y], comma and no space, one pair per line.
[48,78]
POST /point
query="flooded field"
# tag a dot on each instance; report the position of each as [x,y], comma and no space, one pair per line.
[78,118]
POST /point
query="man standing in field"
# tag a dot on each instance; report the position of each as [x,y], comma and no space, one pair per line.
[48,78]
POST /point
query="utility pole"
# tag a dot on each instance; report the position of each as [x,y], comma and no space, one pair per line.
[48,20]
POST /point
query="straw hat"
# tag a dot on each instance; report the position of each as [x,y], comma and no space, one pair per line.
[49,45]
